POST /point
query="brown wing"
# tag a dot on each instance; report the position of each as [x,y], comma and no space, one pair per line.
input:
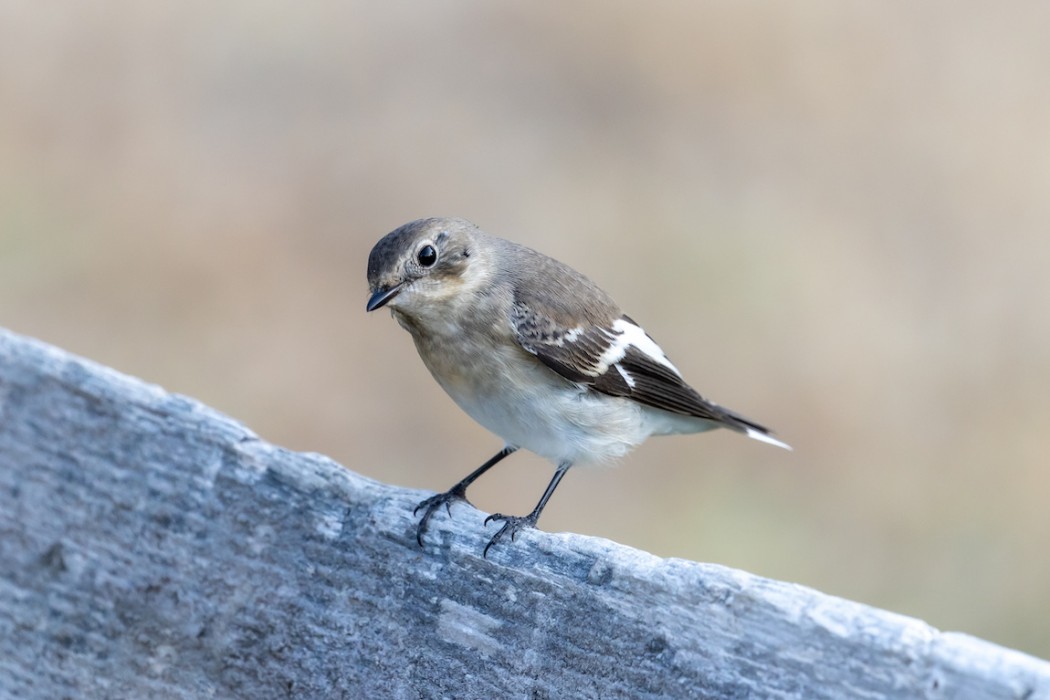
[611,361]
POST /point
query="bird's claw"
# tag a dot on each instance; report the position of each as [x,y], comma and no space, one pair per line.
[429,505]
[511,524]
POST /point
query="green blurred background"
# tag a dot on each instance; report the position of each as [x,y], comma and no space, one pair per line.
[834,216]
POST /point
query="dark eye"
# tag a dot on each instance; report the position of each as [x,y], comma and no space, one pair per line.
[427,256]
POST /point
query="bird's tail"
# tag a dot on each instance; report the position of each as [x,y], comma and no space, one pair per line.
[748,427]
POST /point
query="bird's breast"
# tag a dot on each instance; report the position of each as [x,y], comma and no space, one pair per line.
[512,394]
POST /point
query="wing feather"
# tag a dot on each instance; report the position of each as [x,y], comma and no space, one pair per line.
[618,360]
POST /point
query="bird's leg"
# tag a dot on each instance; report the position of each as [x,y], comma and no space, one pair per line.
[513,523]
[456,493]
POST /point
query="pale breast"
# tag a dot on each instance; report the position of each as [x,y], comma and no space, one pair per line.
[512,394]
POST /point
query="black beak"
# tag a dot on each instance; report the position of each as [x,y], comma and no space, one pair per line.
[381,297]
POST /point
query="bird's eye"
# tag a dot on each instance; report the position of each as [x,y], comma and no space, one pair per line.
[427,256]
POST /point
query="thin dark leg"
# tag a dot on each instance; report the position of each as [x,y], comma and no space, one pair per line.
[456,493]
[513,523]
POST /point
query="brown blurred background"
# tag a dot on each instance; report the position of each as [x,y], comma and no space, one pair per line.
[835,217]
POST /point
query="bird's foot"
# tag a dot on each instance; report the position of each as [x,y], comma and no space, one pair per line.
[511,525]
[433,504]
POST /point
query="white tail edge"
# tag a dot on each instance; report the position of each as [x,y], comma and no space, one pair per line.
[752,433]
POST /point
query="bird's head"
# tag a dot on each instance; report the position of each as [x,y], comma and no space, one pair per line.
[423,263]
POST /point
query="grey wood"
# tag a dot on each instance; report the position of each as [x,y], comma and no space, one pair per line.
[153,548]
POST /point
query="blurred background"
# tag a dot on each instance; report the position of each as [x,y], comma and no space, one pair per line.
[835,217]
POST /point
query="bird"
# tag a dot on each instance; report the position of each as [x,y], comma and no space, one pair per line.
[533,351]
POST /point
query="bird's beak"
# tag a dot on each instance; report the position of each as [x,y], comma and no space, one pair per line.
[382,296]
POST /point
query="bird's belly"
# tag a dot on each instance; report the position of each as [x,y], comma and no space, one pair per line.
[529,406]
[566,425]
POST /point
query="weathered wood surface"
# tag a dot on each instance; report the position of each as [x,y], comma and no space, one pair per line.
[153,548]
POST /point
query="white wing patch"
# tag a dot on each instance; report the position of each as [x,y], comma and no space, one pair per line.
[631,335]
[626,376]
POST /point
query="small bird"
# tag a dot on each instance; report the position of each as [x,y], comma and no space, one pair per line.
[533,351]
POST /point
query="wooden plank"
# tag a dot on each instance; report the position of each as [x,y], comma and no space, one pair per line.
[151,547]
